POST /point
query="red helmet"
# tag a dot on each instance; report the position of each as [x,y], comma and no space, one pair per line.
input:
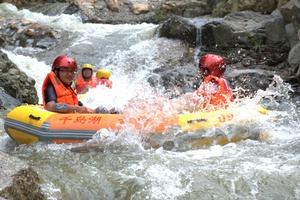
[64,61]
[213,63]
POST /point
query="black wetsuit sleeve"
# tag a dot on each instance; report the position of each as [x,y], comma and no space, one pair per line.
[50,94]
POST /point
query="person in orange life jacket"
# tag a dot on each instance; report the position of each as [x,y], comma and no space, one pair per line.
[85,80]
[214,87]
[102,78]
[58,96]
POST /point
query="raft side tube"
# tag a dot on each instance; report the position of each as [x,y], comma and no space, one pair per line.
[28,134]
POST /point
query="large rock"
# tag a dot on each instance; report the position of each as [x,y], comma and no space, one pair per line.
[17,180]
[217,34]
[261,37]
[116,11]
[292,34]
[291,11]
[22,2]
[291,15]
[87,9]
[294,56]
[229,6]
[27,34]
[179,28]
[110,11]
[294,62]
[188,8]
[177,72]
[140,8]
[248,81]
[6,101]
[113,5]
[15,82]
[265,28]
[26,2]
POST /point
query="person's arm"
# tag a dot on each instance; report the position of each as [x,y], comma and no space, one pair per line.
[52,105]
[65,108]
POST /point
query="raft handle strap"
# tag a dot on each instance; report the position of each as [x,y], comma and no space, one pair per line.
[34,117]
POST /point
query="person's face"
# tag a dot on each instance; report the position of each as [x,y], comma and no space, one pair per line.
[87,73]
[66,75]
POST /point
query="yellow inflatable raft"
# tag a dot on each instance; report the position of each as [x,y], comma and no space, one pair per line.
[28,124]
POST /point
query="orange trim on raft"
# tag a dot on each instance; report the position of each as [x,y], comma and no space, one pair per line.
[153,125]
[85,121]
[94,122]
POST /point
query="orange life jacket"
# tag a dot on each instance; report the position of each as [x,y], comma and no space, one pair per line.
[64,94]
[82,86]
[220,98]
[106,82]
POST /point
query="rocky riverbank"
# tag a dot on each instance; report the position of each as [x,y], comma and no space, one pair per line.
[265,36]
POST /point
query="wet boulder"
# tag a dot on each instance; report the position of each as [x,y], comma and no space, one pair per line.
[291,12]
[187,8]
[179,28]
[113,5]
[177,80]
[294,58]
[18,2]
[245,82]
[260,37]
[218,8]
[6,101]
[71,9]
[217,34]
[291,16]
[292,34]
[24,33]
[177,72]
[18,180]
[15,82]
[113,11]
[22,3]
[140,8]
[227,6]
[294,62]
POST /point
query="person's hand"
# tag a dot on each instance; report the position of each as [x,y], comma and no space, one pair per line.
[115,111]
[101,110]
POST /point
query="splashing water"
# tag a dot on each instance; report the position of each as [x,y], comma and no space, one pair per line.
[73,23]
[281,110]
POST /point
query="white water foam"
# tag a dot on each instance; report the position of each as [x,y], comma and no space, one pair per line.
[73,23]
[165,183]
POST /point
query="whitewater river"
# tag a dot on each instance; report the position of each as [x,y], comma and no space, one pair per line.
[122,167]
